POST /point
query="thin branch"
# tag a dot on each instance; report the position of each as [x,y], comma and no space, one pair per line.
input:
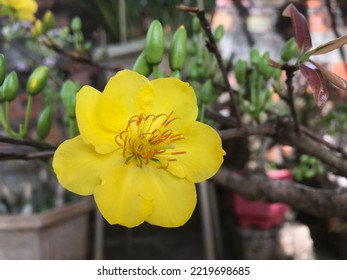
[243,13]
[334,27]
[287,135]
[245,131]
[27,142]
[223,120]
[262,155]
[283,131]
[78,58]
[213,48]
[26,155]
[319,140]
[318,202]
[290,89]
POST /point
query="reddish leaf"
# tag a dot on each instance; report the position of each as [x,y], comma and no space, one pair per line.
[317,83]
[332,77]
[300,28]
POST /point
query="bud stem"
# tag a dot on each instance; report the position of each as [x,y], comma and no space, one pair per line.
[7,118]
[155,71]
[72,128]
[24,131]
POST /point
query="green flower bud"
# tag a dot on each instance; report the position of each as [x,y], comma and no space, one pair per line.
[219,33]
[155,43]
[48,20]
[78,38]
[88,45]
[37,28]
[76,24]
[68,97]
[10,86]
[64,33]
[37,80]
[255,56]
[196,25]
[141,65]
[44,123]
[207,91]
[2,94]
[192,48]
[289,50]
[178,49]
[193,71]
[240,71]
[265,69]
[203,63]
[2,68]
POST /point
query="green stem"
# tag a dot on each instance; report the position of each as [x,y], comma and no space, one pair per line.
[2,118]
[155,71]
[7,118]
[72,128]
[202,110]
[24,131]
[176,74]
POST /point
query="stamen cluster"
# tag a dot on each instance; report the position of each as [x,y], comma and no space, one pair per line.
[148,138]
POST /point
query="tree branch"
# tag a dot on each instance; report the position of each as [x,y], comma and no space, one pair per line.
[245,131]
[27,142]
[78,58]
[290,100]
[283,131]
[26,155]
[318,202]
[311,147]
[213,48]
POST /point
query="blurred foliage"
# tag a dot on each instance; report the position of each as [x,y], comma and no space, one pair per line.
[139,14]
[307,168]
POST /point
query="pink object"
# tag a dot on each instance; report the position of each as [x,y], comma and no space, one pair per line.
[261,214]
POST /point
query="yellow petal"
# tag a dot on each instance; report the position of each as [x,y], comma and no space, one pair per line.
[171,94]
[91,129]
[118,101]
[174,199]
[204,153]
[124,197]
[25,8]
[78,167]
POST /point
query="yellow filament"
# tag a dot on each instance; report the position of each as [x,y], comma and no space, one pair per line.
[148,139]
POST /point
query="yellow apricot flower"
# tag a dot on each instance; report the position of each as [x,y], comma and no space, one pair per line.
[140,150]
[23,9]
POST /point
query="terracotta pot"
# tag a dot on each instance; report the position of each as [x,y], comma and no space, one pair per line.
[60,233]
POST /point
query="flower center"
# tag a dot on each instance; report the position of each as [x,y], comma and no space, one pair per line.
[149,139]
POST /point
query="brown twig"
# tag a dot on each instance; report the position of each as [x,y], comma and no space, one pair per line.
[77,57]
[318,139]
[26,155]
[245,131]
[213,48]
[334,27]
[283,131]
[290,70]
[27,142]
